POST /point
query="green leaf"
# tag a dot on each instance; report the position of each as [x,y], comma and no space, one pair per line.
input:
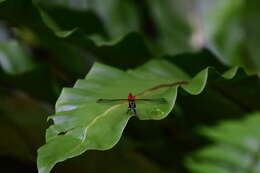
[188,26]
[236,147]
[119,18]
[84,29]
[81,124]
[252,31]
[174,30]
[54,26]
[14,59]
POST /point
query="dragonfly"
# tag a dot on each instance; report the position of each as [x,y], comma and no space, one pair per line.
[132,102]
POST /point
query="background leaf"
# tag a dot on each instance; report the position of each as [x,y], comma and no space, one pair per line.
[123,15]
[192,25]
[252,32]
[230,152]
[14,57]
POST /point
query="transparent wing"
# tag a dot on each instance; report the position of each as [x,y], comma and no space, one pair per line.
[110,100]
[159,101]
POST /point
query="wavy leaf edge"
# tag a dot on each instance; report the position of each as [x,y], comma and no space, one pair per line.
[193,88]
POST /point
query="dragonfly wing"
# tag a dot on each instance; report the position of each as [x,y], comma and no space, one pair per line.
[159,101]
[110,100]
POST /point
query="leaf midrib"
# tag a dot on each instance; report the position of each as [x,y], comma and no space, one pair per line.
[93,122]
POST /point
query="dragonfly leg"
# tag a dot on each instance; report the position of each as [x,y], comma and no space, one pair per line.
[134,111]
[128,110]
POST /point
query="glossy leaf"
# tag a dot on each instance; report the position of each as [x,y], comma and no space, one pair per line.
[235,148]
[81,124]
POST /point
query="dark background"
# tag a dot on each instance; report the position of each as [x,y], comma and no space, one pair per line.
[48,45]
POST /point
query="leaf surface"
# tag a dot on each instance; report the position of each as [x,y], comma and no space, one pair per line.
[81,124]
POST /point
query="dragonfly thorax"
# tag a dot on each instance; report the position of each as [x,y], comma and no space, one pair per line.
[131,97]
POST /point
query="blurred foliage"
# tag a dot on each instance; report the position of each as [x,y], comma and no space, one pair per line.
[230,152]
[14,59]
[48,45]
